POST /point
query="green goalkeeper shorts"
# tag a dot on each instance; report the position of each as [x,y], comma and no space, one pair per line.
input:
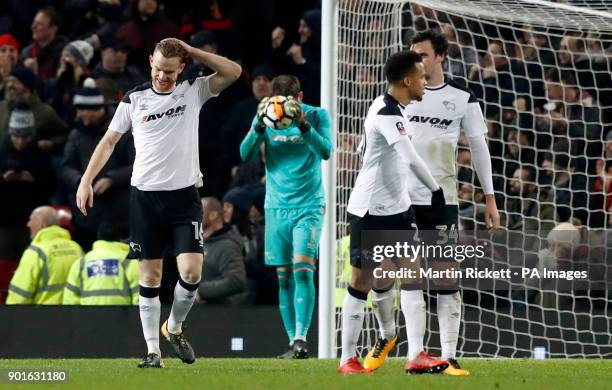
[291,232]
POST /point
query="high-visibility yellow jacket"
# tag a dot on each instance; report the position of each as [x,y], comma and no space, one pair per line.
[43,268]
[103,277]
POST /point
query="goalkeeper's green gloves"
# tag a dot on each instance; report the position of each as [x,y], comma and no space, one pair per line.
[260,127]
[294,110]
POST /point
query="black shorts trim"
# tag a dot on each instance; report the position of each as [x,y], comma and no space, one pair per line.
[357,225]
[165,223]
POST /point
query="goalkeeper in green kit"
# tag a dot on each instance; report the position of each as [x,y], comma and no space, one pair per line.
[294,203]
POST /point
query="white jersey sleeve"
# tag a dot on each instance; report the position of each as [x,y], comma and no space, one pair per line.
[473,122]
[122,121]
[202,84]
[391,127]
[381,185]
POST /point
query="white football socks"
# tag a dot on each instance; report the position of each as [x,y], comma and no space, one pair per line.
[449,318]
[183,300]
[382,306]
[352,322]
[413,307]
[150,310]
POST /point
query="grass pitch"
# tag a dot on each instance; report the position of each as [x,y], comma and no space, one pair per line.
[269,374]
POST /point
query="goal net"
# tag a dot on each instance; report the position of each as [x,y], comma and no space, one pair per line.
[541,72]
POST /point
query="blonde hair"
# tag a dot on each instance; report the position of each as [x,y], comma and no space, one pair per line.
[170,47]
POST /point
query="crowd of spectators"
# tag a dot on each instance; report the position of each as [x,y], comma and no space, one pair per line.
[64,67]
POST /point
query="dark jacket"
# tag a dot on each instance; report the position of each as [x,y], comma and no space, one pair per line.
[224,274]
[80,146]
[141,36]
[115,85]
[48,57]
[18,199]
[48,125]
[111,205]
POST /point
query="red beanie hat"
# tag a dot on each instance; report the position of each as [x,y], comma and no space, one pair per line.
[9,40]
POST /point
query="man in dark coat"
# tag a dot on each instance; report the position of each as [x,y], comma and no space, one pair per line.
[112,184]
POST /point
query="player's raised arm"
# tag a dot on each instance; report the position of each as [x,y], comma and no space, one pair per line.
[249,147]
[100,156]
[318,139]
[227,71]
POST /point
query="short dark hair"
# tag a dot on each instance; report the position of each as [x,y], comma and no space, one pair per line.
[437,39]
[55,18]
[400,64]
[286,85]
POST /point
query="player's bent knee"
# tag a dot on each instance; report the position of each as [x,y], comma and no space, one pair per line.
[303,272]
[191,277]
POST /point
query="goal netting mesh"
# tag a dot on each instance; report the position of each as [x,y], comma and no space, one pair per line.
[541,72]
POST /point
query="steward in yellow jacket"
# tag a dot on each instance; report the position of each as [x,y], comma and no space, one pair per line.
[43,268]
[103,277]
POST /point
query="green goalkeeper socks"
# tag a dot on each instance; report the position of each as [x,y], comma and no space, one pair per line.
[286,293]
[304,298]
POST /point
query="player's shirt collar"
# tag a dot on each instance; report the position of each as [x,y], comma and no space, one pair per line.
[391,101]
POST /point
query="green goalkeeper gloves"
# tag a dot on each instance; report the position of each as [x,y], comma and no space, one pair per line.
[260,127]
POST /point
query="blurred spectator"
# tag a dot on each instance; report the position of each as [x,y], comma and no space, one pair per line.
[461,56]
[114,77]
[70,76]
[44,266]
[43,55]
[112,185]
[237,204]
[213,116]
[529,209]
[51,132]
[26,181]
[558,255]
[93,20]
[9,55]
[492,81]
[263,279]
[302,59]
[569,189]
[104,276]
[204,40]
[224,276]
[146,27]
[601,197]
[251,172]
[241,115]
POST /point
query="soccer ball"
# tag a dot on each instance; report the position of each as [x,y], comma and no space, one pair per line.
[276,114]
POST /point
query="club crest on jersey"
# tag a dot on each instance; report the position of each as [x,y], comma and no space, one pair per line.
[438,123]
[171,113]
[400,128]
[450,106]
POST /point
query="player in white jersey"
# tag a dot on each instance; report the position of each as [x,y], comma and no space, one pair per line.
[434,125]
[380,200]
[165,209]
